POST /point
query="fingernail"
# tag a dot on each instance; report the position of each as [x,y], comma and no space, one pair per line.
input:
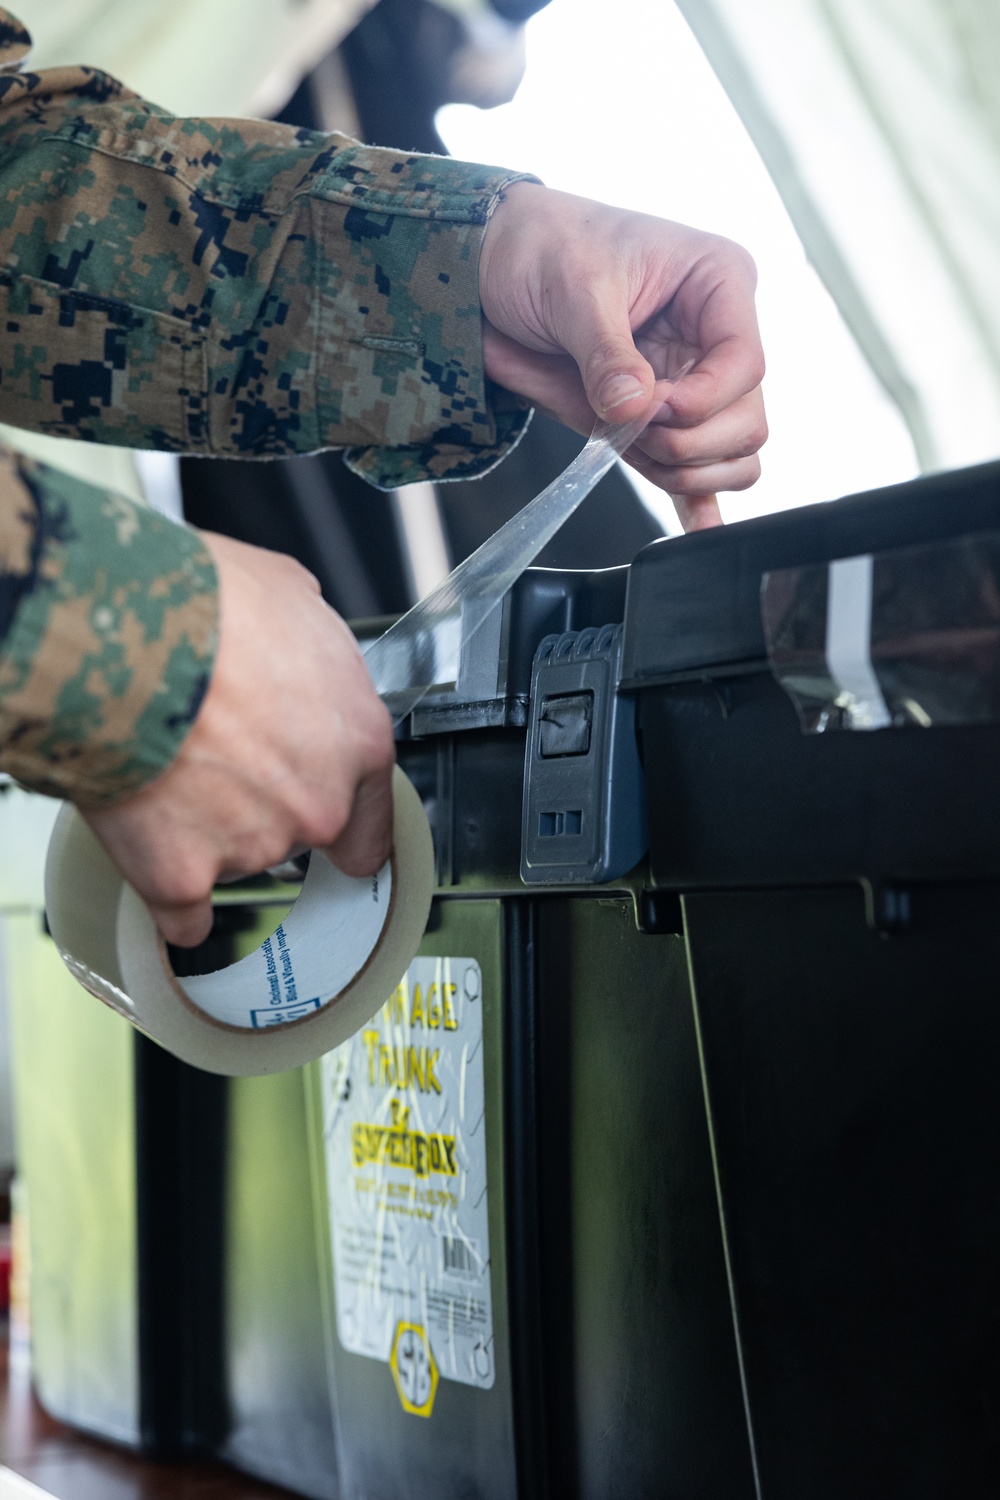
[618,389]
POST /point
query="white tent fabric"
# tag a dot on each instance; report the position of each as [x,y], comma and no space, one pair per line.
[879,121]
[193,57]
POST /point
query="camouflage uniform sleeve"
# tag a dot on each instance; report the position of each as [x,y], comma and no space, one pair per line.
[108,618]
[240,287]
[215,287]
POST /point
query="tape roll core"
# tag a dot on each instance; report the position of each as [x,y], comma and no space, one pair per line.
[108,939]
[183,987]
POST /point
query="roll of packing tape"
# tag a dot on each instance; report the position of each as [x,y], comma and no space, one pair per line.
[326,969]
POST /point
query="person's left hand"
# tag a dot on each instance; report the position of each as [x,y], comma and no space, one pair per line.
[589,310]
[292,748]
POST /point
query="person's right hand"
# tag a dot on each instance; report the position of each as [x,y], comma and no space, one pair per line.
[291,747]
[595,311]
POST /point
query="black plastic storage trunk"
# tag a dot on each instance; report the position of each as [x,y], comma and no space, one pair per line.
[616,1368]
[841,900]
[718,830]
[611,1345]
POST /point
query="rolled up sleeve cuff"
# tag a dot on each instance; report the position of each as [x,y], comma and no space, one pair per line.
[400,346]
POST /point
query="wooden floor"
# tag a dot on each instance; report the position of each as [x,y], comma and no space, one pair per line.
[59,1462]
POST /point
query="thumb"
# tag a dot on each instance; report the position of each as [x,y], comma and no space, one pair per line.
[366,843]
[185,926]
[618,381]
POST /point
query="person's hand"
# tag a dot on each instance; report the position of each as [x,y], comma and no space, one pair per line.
[291,747]
[589,310]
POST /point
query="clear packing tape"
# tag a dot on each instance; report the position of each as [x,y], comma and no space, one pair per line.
[424,647]
[907,638]
[346,943]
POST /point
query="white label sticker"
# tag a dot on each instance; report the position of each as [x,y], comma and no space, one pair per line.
[405,1137]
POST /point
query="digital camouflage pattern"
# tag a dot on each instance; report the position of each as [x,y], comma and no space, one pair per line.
[214,287]
[110,614]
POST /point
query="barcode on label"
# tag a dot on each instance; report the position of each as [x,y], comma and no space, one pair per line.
[460,1257]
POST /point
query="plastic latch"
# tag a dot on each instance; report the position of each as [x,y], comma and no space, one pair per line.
[584,811]
[564,724]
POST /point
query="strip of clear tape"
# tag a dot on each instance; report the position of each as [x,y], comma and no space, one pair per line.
[422,649]
[904,638]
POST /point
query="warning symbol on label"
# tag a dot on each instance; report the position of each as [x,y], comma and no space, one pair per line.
[414,1370]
